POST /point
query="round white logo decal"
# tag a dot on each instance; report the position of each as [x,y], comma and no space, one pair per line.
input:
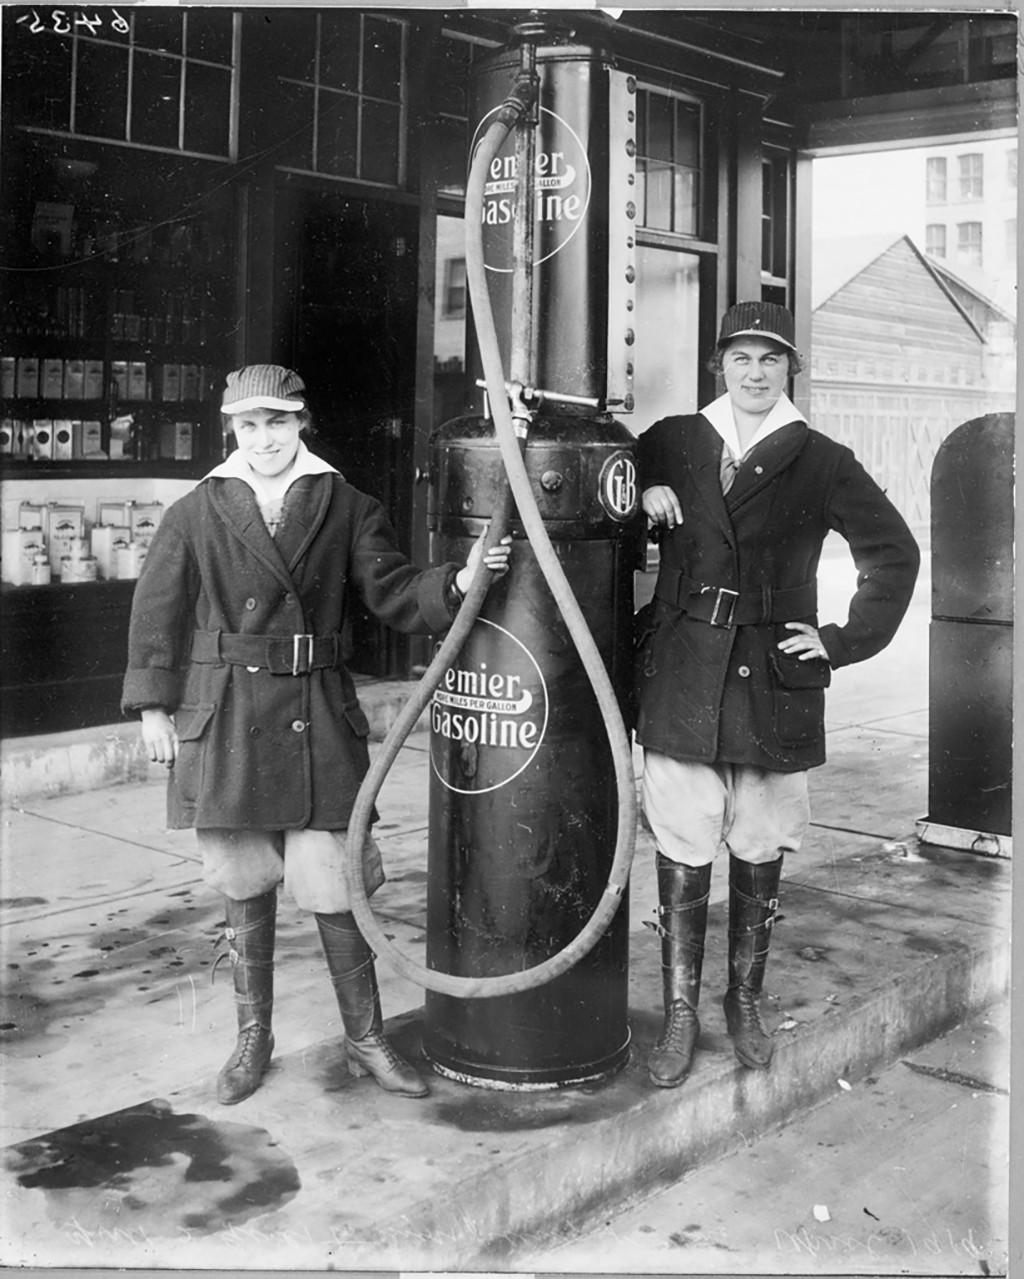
[488,716]
[617,486]
[562,189]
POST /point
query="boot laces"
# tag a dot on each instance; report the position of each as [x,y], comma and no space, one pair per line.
[247,1048]
[749,1008]
[678,1024]
[377,1039]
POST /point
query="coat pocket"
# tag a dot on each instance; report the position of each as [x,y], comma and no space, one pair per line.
[191,723]
[799,697]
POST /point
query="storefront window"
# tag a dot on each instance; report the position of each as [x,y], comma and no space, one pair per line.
[343,95]
[158,78]
[667,354]
[668,162]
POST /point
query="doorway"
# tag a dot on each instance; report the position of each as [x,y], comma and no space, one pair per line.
[352,267]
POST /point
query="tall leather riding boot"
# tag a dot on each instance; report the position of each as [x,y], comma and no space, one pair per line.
[350,963]
[753,901]
[251,926]
[683,893]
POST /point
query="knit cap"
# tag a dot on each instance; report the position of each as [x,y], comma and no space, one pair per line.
[263,386]
[761,320]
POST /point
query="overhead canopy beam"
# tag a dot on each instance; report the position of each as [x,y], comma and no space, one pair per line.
[922,117]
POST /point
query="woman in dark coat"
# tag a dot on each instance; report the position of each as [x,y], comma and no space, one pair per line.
[235,664]
[732,663]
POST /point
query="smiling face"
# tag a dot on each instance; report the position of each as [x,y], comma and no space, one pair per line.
[755,372]
[268,439]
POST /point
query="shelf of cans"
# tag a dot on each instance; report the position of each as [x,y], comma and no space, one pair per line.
[54,543]
[69,439]
[161,432]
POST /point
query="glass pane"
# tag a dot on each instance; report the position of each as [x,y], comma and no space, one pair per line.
[659,197]
[668,297]
[338,124]
[156,99]
[37,74]
[158,28]
[382,59]
[449,330]
[380,152]
[686,192]
[101,98]
[449,146]
[293,38]
[339,50]
[659,127]
[208,33]
[207,109]
[688,134]
[449,78]
[293,123]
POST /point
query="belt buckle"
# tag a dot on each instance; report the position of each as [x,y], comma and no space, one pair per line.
[730,604]
[302,654]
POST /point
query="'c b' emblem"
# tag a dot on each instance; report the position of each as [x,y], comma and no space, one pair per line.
[617,486]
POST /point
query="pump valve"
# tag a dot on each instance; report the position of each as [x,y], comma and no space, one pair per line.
[538,396]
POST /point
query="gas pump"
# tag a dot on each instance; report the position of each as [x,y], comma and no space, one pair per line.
[532,807]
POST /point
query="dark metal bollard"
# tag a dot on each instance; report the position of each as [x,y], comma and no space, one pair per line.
[971,639]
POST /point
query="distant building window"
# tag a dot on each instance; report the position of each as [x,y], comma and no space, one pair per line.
[1011,169]
[935,240]
[668,161]
[968,243]
[972,185]
[454,306]
[1011,241]
[936,180]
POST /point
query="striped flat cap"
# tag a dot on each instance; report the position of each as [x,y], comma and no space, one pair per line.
[263,386]
[758,319]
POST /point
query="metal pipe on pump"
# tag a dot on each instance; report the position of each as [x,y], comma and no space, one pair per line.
[504,910]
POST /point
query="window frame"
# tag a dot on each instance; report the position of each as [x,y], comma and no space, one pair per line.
[936,180]
[644,90]
[971,243]
[971,176]
[936,231]
[321,89]
[184,59]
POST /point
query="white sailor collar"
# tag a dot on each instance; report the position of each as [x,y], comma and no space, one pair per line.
[719,414]
[235,467]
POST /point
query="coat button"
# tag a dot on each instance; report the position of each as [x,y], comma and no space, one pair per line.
[743,672]
[255,732]
[289,598]
[298,725]
[758,470]
[250,603]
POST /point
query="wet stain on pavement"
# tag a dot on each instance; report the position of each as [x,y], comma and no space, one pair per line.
[483,1110]
[150,1171]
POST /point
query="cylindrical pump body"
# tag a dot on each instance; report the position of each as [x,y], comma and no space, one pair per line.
[523,803]
[582,205]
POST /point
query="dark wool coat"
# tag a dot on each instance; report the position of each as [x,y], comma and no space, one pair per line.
[725,692]
[259,750]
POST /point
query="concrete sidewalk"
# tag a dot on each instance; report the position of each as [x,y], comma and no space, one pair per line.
[117,1153]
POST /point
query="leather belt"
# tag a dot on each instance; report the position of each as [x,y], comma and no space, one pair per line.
[279,654]
[720,606]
